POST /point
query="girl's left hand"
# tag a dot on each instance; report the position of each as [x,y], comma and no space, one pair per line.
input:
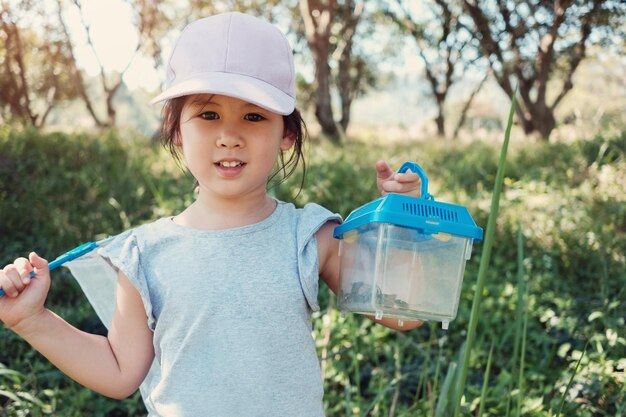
[388,181]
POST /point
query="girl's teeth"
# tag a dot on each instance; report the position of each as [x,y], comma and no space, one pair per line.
[230,164]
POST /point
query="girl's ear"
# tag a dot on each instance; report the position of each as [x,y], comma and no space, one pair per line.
[289,138]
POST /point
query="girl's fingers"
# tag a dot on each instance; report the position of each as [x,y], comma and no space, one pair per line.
[15,277]
[10,281]
[407,177]
[383,170]
[40,263]
[403,183]
[392,187]
[24,268]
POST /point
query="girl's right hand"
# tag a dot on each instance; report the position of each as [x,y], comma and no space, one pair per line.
[24,297]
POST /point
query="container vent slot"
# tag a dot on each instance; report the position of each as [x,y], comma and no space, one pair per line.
[426,211]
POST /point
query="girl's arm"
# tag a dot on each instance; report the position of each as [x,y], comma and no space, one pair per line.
[328,246]
[113,366]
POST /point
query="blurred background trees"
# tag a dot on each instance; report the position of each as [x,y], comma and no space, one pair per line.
[75,123]
[33,70]
[533,46]
[532,43]
[38,63]
[446,46]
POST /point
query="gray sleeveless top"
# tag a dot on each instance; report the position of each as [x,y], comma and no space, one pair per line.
[231,314]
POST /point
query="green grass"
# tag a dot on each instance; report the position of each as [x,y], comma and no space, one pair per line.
[561,225]
[485,259]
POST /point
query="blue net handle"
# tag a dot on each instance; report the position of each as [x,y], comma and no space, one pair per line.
[66,257]
[419,171]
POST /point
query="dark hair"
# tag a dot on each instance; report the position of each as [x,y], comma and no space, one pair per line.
[293,124]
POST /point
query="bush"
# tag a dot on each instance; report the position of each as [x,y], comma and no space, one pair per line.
[59,190]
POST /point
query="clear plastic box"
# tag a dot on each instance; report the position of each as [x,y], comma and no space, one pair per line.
[404,256]
[394,271]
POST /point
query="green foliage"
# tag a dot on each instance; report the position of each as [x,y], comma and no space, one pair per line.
[57,191]
[569,201]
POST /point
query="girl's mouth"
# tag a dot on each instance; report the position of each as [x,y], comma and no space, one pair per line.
[230,164]
[229,169]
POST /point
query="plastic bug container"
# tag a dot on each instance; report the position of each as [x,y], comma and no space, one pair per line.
[404,257]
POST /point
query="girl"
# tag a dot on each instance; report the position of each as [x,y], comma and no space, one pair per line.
[221,294]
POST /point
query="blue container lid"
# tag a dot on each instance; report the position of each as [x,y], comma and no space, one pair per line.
[420,213]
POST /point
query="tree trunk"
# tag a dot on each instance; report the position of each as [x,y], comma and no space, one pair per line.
[345,90]
[323,105]
[318,16]
[440,120]
[111,113]
[533,71]
[16,97]
[448,41]
[348,84]
[541,121]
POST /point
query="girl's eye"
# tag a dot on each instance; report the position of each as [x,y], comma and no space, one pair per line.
[253,117]
[209,115]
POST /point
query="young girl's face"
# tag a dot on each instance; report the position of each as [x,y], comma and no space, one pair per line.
[230,146]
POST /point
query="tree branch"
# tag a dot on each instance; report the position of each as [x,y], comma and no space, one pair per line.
[489,45]
[545,52]
[20,103]
[50,99]
[80,83]
[515,34]
[467,106]
[579,52]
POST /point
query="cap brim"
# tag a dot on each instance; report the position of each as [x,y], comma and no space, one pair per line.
[239,86]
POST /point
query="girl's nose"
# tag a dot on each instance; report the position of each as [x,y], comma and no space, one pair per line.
[229,137]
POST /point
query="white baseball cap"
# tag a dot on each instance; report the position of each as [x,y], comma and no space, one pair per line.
[236,55]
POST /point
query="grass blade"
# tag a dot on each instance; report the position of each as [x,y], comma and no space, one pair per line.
[444,394]
[435,386]
[483,393]
[519,313]
[571,380]
[520,380]
[484,259]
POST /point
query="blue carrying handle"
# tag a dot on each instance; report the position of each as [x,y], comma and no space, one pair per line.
[66,257]
[424,179]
